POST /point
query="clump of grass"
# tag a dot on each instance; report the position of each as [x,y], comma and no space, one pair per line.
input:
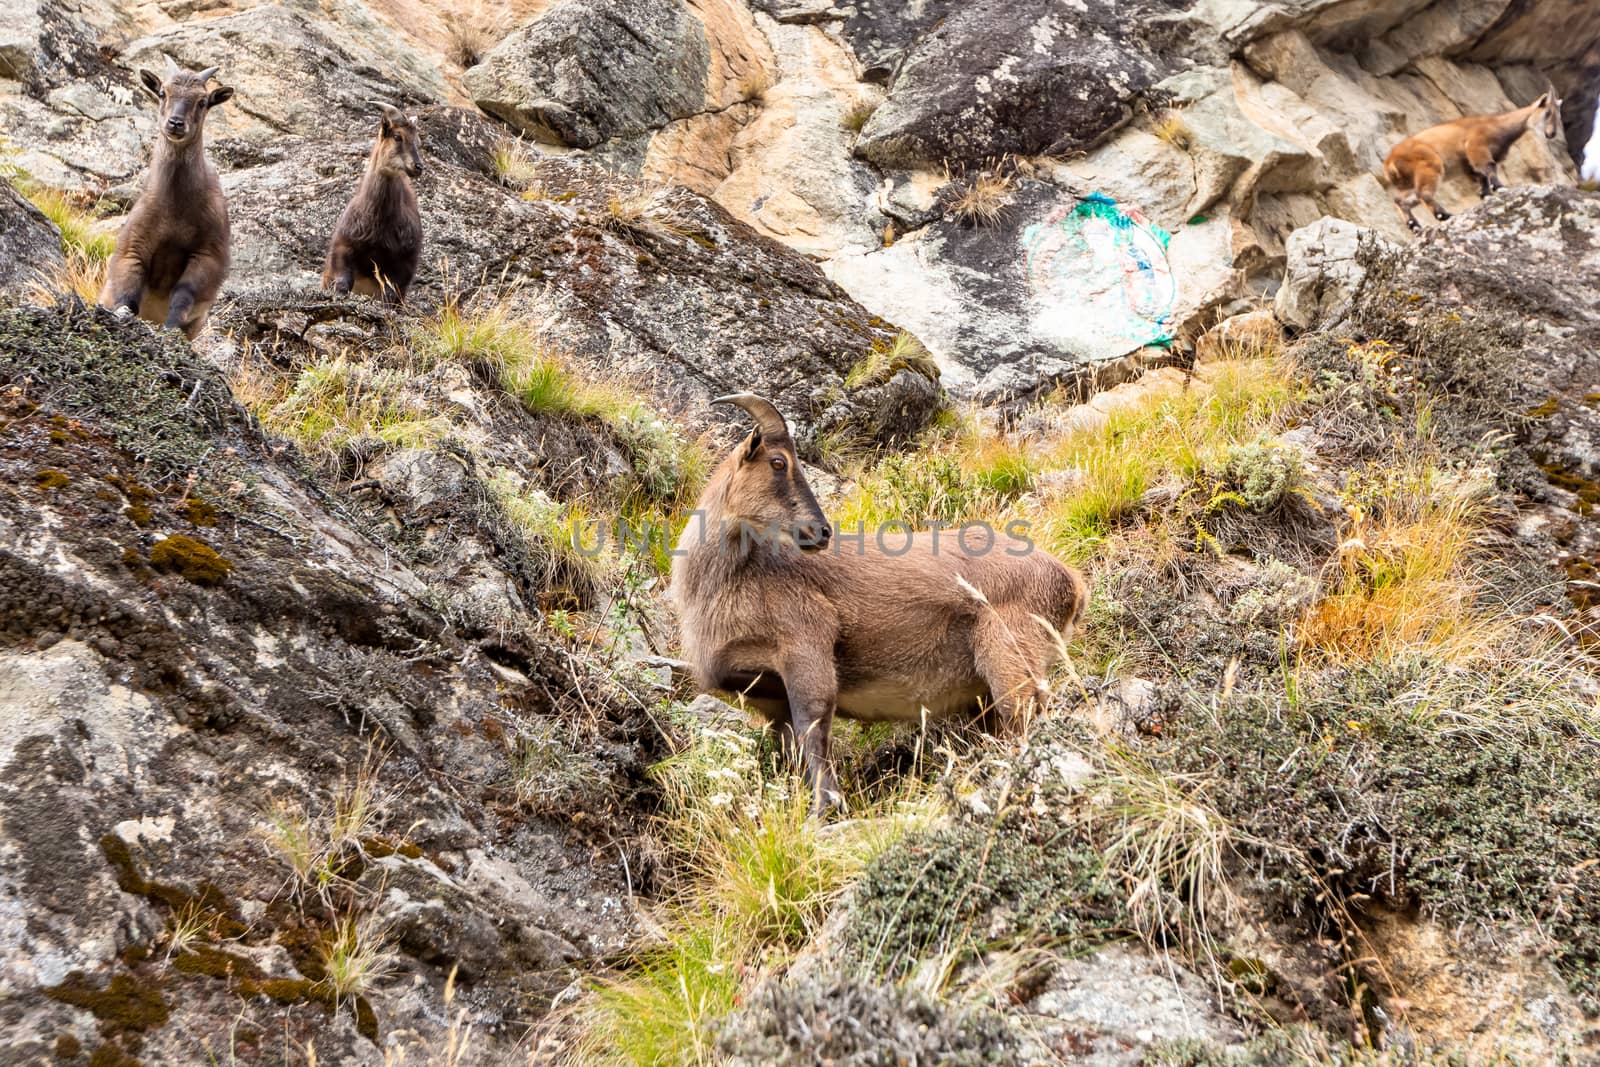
[190,925]
[1171,128]
[473,32]
[337,405]
[1403,579]
[1171,438]
[290,832]
[314,846]
[76,223]
[651,211]
[887,358]
[87,248]
[858,113]
[754,84]
[1169,847]
[515,163]
[751,877]
[660,1015]
[79,277]
[355,955]
[983,199]
[563,536]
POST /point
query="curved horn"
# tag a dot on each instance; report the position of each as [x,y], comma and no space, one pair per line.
[172,68]
[207,74]
[766,417]
[390,112]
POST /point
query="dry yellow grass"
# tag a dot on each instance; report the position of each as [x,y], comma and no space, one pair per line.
[1403,578]
[983,200]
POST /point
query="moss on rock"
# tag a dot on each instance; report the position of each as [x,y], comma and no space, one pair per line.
[191,558]
[126,1003]
[159,400]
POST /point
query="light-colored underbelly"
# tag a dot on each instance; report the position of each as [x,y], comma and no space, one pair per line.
[886,701]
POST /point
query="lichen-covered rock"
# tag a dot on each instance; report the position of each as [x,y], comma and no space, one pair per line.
[293,72]
[1040,77]
[1324,269]
[206,659]
[591,70]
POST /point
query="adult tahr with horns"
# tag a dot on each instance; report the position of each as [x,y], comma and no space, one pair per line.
[880,625]
[172,253]
[377,241]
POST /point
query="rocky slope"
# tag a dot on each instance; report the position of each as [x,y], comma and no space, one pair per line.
[322,744]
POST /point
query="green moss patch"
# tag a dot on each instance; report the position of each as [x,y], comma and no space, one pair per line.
[194,560]
[126,1002]
[198,512]
[51,479]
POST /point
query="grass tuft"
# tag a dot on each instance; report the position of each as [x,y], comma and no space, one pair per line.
[982,200]
[338,406]
[858,113]
[515,163]
[1404,577]
[355,955]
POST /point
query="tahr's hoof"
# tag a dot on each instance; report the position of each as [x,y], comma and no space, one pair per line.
[1441,215]
[1416,227]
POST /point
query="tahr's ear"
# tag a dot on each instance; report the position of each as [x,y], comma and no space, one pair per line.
[220,95]
[753,445]
[151,82]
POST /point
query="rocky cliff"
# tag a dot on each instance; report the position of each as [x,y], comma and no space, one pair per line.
[328,740]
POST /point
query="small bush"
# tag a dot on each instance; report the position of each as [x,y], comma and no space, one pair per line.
[953,892]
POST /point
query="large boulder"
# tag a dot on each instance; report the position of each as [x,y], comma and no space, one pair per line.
[1325,268]
[30,244]
[1055,284]
[587,72]
[591,70]
[293,72]
[1001,77]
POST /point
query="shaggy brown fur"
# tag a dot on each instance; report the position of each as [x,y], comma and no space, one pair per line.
[378,238]
[172,253]
[768,609]
[1479,143]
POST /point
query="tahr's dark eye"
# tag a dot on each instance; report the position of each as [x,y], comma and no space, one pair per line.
[779,463]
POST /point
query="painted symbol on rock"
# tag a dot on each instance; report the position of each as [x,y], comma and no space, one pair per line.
[1100,279]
